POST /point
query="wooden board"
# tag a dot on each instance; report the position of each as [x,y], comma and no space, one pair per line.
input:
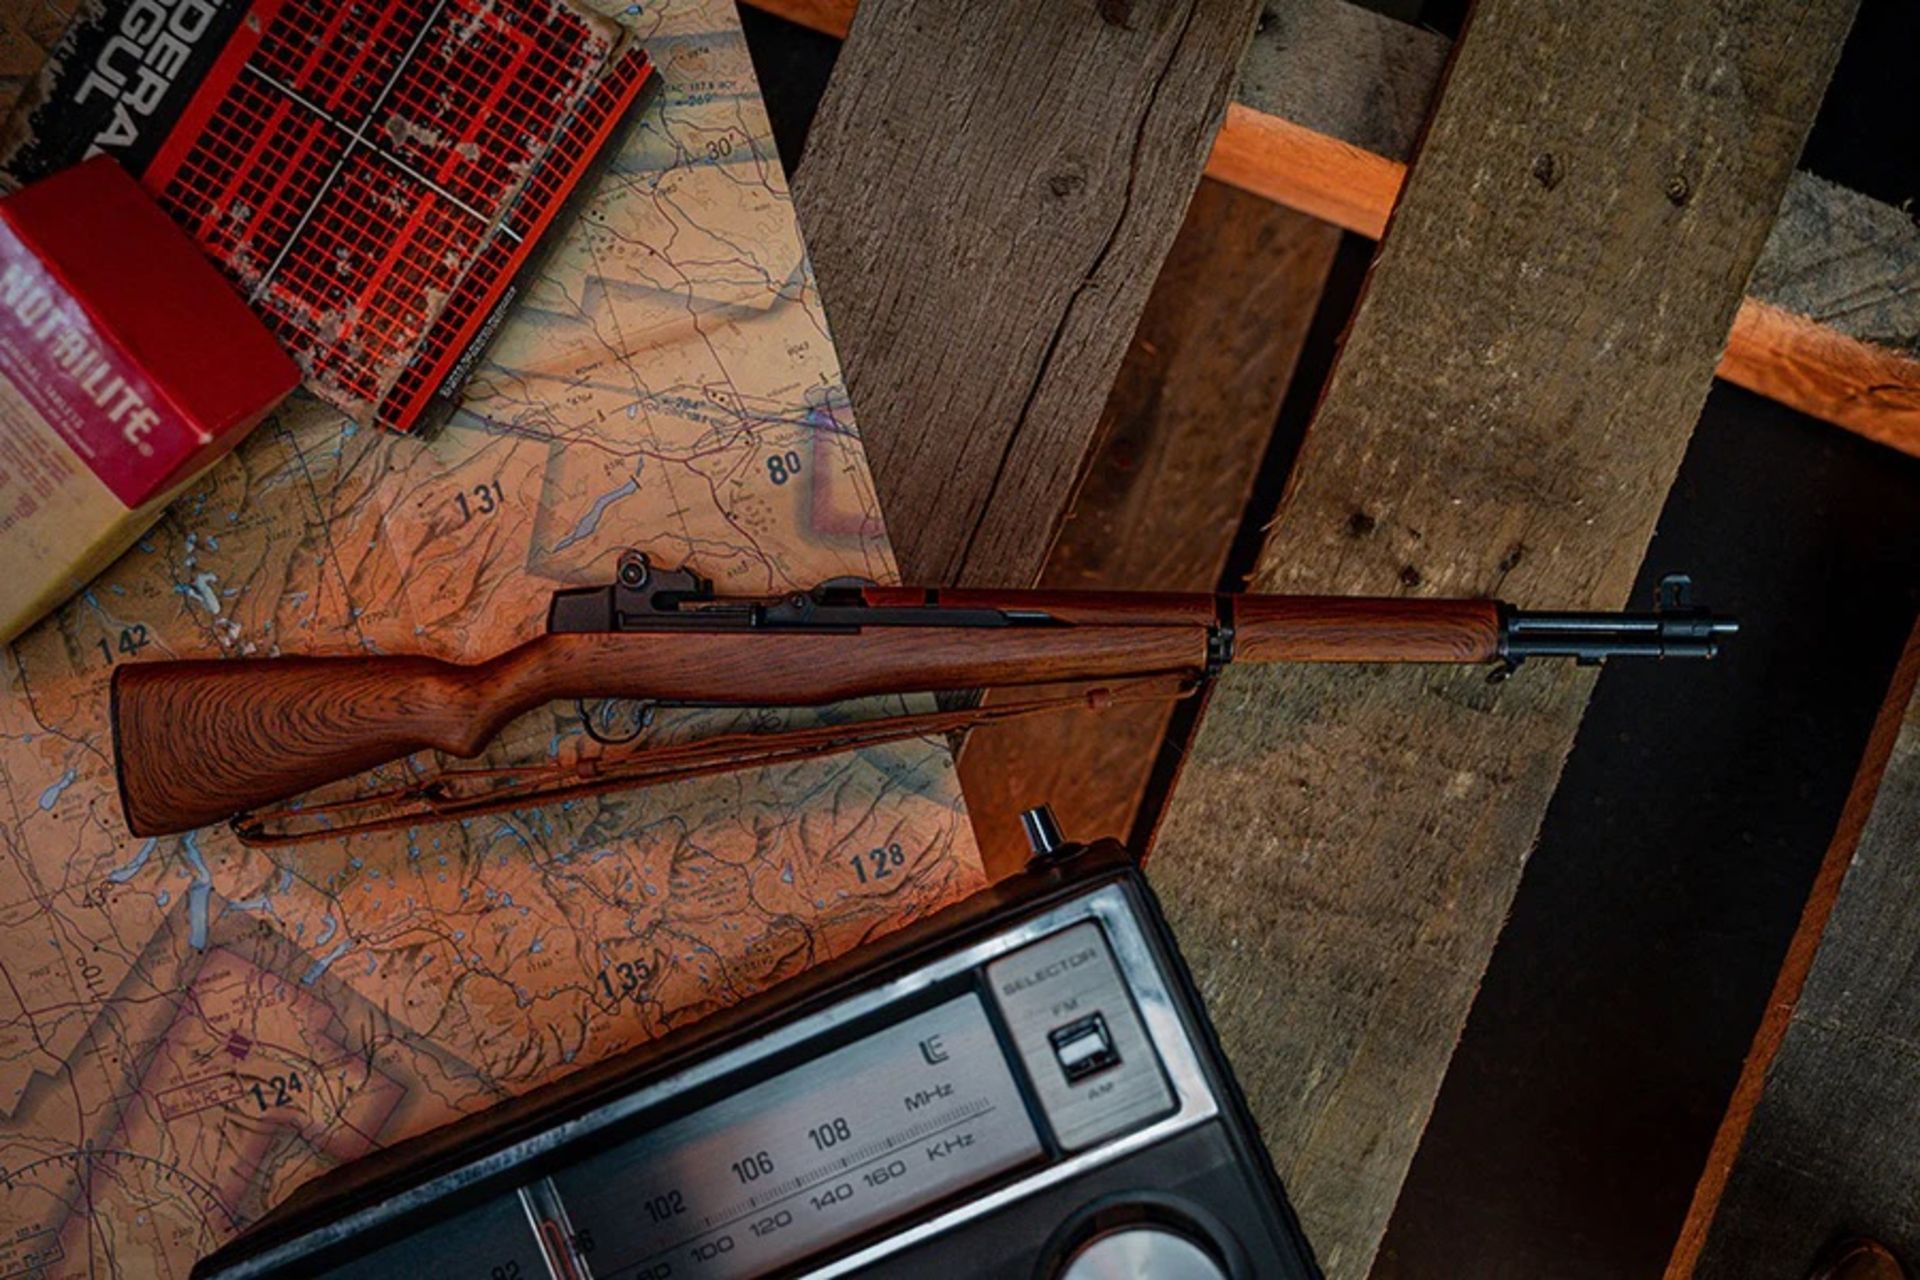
[988,192]
[1317,173]
[1819,1138]
[1832,320]
[1814,368]
[1329,105]
[1845,261]
[828,17]
[1181,442]
[1831,325]
[1506,416]
[1332,95]
[1344,71]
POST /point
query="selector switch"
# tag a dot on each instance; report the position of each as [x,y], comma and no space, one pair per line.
[1084,1047]
[1078,1034]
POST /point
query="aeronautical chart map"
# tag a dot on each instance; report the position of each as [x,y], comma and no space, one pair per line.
[189,1029]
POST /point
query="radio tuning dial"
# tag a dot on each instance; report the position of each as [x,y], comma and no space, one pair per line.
[1142,1253]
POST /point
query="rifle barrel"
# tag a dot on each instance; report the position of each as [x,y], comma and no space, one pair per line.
[1594,637]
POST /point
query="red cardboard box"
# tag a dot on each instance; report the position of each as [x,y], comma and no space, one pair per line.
[378,178]
[127,367]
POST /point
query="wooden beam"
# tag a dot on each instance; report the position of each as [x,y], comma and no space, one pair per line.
[1811,363]
[1328,109]
[1832,319]
[1510,405]
[1822,372]
[1831,326]
[1303,169]
[1818,1139]
[828,17]
[1182,438]
[984,274]
[1330,101]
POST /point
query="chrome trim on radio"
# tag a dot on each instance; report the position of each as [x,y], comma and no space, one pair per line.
[1132,953]
[1196,1101]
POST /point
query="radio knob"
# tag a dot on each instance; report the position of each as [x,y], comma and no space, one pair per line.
[1142,1253]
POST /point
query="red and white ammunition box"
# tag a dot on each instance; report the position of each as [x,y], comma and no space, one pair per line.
[127,367]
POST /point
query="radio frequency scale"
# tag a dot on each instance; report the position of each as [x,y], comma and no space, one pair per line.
[1024,1085]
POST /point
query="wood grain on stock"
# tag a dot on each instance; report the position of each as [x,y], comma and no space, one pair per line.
[1158,608]
[196,742]
[1307,629]
[1267,628]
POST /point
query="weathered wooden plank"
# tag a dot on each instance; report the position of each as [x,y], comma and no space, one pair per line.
[1508,411]
[1337,69]
[1844,261]
[1181,441]
[1851,366]
[1352,88]
[988,192]
[1833,322]
[1818,1139]
[1866,388]
[1330,101]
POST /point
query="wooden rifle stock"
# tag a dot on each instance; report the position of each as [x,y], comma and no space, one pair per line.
[197,742]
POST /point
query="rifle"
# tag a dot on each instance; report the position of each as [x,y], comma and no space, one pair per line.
[203,741]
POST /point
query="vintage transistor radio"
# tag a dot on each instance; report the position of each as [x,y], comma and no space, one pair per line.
[1025,1085]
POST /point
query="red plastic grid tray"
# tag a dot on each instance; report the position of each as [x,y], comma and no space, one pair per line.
[373,173]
